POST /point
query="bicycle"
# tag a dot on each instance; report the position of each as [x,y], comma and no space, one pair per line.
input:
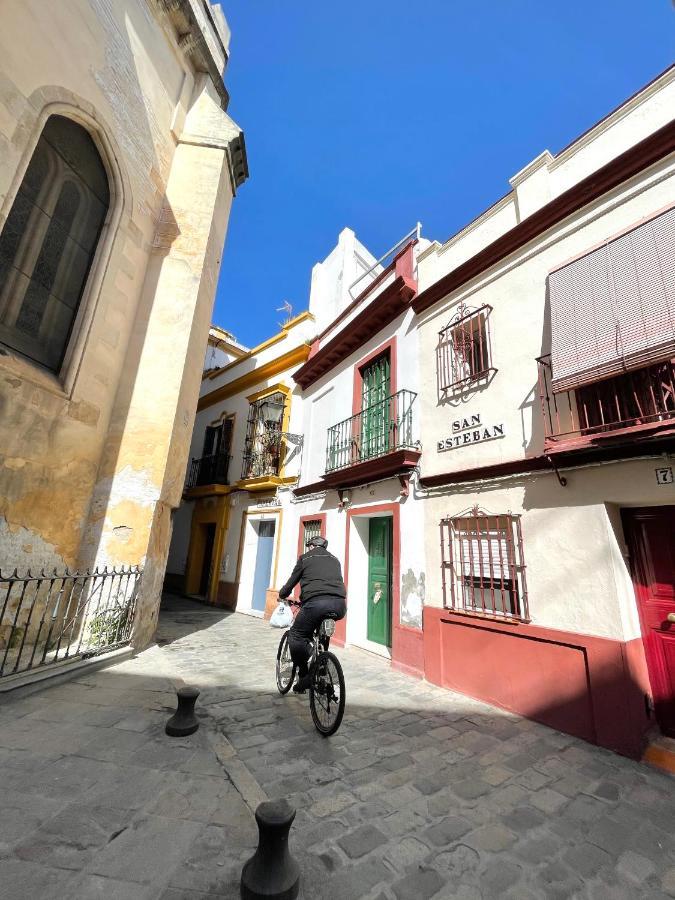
[327,688]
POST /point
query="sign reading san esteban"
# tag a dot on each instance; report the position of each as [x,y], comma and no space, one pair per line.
[470,430]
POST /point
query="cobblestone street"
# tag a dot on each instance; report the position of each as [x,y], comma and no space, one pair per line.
[422,793]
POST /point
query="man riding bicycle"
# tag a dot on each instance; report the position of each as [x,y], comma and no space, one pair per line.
[322,595]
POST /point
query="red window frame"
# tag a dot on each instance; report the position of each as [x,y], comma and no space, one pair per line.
[314,517]
[388,347]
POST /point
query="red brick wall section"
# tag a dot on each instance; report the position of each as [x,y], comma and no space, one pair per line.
[587,686]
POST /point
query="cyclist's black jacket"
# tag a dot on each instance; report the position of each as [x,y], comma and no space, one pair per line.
[319,574]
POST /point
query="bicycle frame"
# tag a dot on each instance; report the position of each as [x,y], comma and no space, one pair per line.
[321,637]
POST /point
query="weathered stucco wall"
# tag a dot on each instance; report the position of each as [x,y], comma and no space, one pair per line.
[92,458]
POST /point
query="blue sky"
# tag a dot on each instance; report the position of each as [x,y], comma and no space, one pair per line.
[375,115]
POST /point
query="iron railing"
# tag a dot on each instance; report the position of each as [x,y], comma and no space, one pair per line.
[51,618]
[636,399]
[263,454]
[375,431]
[212,469]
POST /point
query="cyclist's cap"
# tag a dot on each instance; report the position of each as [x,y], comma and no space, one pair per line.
[317,542]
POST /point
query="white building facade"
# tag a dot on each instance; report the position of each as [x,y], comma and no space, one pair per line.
[547,352]
[362,446]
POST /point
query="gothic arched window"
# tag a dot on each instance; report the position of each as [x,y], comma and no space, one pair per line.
[49,240]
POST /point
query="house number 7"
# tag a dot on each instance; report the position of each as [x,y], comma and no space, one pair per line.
[665,475]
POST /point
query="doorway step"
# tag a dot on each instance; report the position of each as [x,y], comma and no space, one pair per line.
[660,754]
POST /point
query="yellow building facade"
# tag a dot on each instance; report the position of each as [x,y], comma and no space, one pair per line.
[118,165]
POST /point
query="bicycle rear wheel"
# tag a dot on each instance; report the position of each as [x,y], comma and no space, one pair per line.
[285,666]
[327,694]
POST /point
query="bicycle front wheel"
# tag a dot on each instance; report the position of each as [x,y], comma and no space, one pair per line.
[327,694]
[285,666]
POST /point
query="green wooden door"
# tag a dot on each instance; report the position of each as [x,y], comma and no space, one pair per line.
[375,390]
[379,581]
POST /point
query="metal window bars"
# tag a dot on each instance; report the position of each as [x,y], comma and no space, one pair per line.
[483,565]
[310,529]
[379,429]
[636,399]
[464,350]
[47,619]
[264,437]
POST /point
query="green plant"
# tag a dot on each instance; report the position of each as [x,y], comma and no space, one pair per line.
[108,626]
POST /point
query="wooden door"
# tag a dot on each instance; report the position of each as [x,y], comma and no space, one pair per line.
[379,580]
[651,539]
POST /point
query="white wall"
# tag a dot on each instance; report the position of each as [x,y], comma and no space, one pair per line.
[577,574]
[574,549]
[332,278]
[329,400]
[520,328]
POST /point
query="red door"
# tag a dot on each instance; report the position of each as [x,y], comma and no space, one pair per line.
[651,539]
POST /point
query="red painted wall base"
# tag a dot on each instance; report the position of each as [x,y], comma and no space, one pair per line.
[590,687]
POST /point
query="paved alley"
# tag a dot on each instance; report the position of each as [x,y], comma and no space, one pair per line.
[421,793]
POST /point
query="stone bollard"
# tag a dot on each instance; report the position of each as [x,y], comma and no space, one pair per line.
[271,872]
[184,721]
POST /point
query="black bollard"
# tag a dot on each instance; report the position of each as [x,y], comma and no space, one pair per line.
[272,873]
[184,721]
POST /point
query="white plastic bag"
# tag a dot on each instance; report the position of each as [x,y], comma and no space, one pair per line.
[282,617]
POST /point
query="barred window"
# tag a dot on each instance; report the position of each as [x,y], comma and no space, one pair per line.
[310,529]
[49,241]
[464,352]
[483,567]
[263,447]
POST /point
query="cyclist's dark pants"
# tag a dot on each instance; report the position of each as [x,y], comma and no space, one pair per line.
[308,619]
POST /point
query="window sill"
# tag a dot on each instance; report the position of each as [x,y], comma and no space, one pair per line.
[487,617]
[26,370]
[470,381]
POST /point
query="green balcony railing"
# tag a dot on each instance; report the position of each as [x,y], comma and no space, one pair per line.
[379,429]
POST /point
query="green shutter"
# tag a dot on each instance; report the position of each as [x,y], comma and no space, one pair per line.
[375,394]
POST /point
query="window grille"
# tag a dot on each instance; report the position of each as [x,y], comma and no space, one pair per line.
[311,529]
[263,447]
[464,352]
[49,240]
[483,567]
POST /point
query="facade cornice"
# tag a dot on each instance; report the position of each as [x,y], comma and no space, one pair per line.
[392,302]
[569,458]
[633,161]
[294,357]
[616,115]
[201,39]
[305,316]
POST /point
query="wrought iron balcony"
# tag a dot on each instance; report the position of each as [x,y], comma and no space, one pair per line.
[208,470]
[376,431]
[642,400]
[263,455]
